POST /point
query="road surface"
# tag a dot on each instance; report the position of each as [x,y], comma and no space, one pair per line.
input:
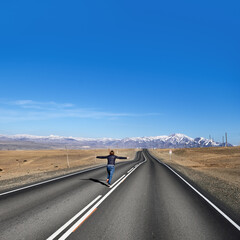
[145,201]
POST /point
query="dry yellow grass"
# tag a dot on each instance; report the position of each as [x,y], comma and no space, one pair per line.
[39,163]
[223,163]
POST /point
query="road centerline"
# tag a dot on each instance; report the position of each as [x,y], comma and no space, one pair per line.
[73,219]
[94,208]
[117,181]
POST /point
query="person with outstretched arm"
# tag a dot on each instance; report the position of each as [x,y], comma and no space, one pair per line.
[110,165]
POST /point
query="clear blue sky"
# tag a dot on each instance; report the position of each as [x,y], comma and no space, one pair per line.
[120,68]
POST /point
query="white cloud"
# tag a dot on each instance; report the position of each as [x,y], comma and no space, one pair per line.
[40,105]
[28,110]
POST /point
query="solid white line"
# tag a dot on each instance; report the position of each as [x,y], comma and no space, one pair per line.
[130,170]
[54,179]
[200,194]
[73,219]
[144,157]
[117,181]
[86,215]
[103,198]
[136,166]
[110,192]
[81,220]
[51,180]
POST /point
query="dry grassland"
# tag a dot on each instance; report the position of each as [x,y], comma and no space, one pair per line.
[215,170]
[23,167]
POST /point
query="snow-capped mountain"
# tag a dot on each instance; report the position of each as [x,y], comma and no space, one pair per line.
[52,142]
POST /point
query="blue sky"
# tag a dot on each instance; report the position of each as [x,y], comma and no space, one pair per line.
[120,68]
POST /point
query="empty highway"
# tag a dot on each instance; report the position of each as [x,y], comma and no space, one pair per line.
[146,201]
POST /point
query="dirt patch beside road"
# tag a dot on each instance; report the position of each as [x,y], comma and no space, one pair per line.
[215,170]
[18,168]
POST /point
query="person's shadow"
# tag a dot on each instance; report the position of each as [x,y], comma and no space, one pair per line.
[97,181]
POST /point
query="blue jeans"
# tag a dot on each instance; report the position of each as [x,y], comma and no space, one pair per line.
[110,171]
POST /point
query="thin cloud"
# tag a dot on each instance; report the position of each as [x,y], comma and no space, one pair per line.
[40,105]
[28,110]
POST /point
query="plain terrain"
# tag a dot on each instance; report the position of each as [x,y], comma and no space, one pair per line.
[27,166]
[215,170]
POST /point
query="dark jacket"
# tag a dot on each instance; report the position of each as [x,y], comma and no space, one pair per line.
[111,158]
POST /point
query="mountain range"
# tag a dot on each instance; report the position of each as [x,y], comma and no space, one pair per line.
[28,142]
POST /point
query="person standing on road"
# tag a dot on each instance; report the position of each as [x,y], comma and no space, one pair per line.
[111,165]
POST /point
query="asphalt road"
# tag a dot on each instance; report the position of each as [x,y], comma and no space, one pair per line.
[146,201]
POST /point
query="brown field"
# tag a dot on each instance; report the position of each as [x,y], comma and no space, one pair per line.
[215,170]
[23,167]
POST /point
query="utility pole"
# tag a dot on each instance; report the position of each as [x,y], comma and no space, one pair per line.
[95,156]
[226,139]
[67,157]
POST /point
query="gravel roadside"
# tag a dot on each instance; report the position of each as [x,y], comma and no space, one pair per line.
[221,192]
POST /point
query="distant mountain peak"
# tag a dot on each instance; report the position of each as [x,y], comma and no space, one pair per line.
[176,140]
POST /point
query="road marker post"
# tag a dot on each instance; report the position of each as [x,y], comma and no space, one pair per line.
[170,154]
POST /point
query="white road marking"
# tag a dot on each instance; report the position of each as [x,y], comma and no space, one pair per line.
[77,224]
[200,194]
[130,170]
[83,218]
[51,180]
[73,219]
[103,198]
[117,181]
[94,208]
